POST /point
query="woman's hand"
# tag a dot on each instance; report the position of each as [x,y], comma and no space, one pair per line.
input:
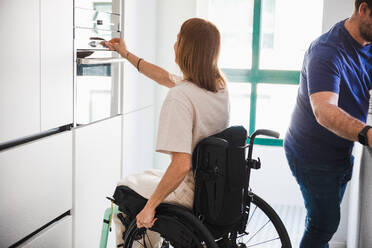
[152,71]
[146,217]
[117,44]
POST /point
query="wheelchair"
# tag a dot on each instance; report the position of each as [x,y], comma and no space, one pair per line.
[226,212]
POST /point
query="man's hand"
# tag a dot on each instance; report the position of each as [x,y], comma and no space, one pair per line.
[146,217]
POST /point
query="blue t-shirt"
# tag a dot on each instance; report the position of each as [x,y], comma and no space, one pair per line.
[338,63]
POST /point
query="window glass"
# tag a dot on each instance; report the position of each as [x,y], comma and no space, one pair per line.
[287,29]
[240,102]
[234,19]
[275,104]
[101,6]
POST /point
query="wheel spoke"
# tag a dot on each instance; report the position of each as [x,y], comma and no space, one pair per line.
[259,230]
[263,229]
[271,240]
[250,218]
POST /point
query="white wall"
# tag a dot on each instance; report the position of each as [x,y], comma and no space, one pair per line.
[335,11]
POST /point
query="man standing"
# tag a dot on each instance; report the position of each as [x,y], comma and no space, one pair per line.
[330,114]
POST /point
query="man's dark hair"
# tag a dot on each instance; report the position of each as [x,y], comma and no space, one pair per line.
[359,2]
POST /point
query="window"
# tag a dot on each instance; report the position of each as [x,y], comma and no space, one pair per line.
[262,47]
[235,23]
[240,106]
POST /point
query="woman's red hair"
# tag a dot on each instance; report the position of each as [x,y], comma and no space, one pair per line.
[197,54]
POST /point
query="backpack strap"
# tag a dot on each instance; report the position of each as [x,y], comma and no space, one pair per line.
[209,164]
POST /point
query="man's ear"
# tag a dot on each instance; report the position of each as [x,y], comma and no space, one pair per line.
[364,9]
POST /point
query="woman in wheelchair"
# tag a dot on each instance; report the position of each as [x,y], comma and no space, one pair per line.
[197,106]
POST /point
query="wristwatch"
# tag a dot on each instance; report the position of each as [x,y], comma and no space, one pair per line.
[362,136]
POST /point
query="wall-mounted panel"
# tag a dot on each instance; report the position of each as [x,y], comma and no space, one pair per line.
[35,185]
[56,63]
[19,69]
[58,235]
[97,170]
[138,141]
[140,36]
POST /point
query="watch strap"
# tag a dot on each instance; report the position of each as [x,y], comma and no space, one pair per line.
[362,136]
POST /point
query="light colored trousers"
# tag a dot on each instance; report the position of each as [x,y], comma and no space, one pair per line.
[145,184]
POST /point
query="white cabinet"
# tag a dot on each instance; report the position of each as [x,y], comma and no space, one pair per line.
[35,185]
[141,36]
[138,90]
[57,235]
[97,170]
[19,68]
[138,141]
[36,69]
[56,63]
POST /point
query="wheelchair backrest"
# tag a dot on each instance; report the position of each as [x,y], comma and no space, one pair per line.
[219,166]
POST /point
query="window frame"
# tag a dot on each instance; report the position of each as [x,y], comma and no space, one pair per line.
[255,76]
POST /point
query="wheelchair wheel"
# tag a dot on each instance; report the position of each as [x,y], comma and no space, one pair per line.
[174,227]
[264,227]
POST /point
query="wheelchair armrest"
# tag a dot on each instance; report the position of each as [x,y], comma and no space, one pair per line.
[265,132]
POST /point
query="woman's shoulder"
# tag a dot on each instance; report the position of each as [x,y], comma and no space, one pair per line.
[188,90]
[185,86]
[180,91]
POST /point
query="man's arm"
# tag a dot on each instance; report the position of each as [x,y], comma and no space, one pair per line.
[330,116]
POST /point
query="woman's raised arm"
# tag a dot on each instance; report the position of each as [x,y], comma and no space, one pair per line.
[152,71]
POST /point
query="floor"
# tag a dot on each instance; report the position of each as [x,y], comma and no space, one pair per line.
[263,234]
[293,218]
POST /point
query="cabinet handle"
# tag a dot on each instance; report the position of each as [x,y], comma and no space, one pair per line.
[96,61]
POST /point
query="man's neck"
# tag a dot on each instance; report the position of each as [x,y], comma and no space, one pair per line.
[352,27]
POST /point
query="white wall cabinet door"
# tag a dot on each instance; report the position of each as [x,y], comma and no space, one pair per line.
[57,235]
[35,185]
[97,170]
[140,35]
[19,69]
[56,63]
[138,141]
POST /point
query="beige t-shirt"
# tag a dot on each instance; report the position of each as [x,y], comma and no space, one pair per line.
[189,114]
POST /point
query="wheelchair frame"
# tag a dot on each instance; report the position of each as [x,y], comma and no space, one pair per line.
[249,197]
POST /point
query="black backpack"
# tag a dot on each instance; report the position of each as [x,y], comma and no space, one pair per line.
[219,166]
